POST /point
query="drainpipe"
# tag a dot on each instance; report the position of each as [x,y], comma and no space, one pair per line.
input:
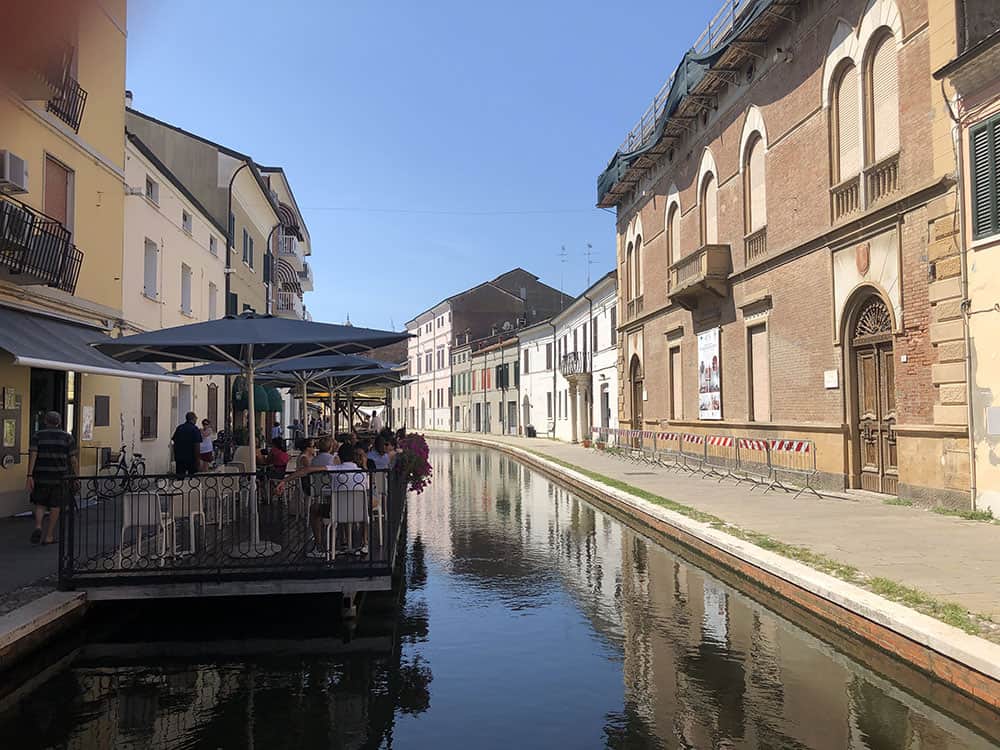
[590,366]
[555,396]
[230,244]
[269,303]
[966,304]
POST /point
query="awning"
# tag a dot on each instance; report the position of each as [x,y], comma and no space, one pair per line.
[39,341]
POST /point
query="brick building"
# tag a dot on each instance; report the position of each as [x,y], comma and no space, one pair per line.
[786,224]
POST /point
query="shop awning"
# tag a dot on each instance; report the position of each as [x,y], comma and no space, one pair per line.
[39,341]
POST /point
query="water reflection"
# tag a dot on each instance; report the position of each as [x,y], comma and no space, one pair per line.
[530,619]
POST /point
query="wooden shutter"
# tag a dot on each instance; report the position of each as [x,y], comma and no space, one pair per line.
[710,211]
[885,100]
[984,147]
[760,374]
[758,186]
[148,410]
[56,191]
[212,404]
[848,126]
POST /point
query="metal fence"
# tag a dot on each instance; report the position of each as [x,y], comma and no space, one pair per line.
[769,463]
[229,526]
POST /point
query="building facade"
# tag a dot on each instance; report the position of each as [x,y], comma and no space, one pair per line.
[975,83]
[513,299]
[776,275]
[174,274]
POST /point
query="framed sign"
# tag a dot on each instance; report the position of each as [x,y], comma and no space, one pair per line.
[709,376]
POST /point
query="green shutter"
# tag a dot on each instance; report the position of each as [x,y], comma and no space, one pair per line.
[984,148]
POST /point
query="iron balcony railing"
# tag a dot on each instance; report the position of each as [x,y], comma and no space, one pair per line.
[290,303]
[306,277]
[573,363]
[35,248]
[68,103]
[223,527]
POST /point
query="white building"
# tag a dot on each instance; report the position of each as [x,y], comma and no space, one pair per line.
[173,274]
[569,366]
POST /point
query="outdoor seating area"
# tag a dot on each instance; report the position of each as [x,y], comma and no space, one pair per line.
[770,463]
[230,525]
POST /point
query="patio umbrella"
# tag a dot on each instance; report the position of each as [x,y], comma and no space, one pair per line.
[249,341]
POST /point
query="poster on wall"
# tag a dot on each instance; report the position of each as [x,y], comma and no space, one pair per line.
[709,376]
[87,422]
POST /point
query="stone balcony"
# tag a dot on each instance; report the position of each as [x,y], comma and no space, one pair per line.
[703,273]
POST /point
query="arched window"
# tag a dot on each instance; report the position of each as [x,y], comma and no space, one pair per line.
[673,233]
[883,100]
[709,201]
[755,185]
[637,269]
[628,271]
[848,126]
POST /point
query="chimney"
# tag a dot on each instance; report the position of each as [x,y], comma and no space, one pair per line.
[128,98]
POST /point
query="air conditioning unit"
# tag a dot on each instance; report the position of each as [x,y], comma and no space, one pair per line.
[13,173]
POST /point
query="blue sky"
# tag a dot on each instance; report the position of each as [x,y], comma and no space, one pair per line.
[430,145]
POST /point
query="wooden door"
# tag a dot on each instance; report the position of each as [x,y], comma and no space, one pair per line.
[56,191]
[876,400]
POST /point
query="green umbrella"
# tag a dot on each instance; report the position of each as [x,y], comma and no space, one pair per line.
[274,401]
[261,401]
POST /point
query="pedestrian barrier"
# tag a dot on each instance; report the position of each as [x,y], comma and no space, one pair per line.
[692,450]
[796,458]
[668,450]
[754,462]
[647,441]
[721,457]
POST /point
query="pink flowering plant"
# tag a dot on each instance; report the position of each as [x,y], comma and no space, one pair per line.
[413,462]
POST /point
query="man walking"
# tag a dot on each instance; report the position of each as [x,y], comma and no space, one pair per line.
[187,446]
[52,468]
[375,423]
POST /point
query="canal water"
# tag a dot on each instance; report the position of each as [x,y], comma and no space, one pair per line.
[529,619]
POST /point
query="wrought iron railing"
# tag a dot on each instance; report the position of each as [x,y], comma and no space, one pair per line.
[573,363]
[306,277]
[69,103]
[845,198]
[882,179]
[288,246]
[36,247]
[289,302]
[755,246]
[220,527]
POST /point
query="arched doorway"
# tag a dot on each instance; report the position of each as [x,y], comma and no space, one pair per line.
[635,379]
[872,364]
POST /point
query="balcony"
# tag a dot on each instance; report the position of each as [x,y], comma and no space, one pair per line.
[288,249]
[634,308]
[845,198]
[36,249]
[704,272]
[882,179]
[755,246]
[289,305]
[68,103]
[574,363]
[306,277]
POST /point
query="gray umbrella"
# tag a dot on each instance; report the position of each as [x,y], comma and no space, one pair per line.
[250,342]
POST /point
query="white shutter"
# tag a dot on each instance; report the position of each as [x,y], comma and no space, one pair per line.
[710,211]
[758,187]
[149,270]
[885,100]
[848,126]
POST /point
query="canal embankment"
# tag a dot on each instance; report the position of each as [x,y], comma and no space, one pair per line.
[944,559]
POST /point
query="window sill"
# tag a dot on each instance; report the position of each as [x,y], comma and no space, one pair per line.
[187,313]
[982,242]
[151,202]
[151,298]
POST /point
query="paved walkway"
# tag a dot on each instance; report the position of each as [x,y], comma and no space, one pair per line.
[948,558]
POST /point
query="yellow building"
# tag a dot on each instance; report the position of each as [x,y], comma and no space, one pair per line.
[62,81]
[970,68]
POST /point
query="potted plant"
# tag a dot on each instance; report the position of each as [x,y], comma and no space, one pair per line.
[586,442]
[412,464]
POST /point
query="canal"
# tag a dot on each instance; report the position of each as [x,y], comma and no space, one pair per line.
[528,618]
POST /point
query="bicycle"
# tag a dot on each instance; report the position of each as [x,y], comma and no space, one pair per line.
[117,476]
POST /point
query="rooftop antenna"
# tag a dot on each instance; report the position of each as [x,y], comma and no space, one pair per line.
[563,256]
[589,252]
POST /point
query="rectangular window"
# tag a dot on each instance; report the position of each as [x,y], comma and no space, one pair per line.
[246,247]
[185,289]
[548,404]
[148,410]
[251,253]
[593,331]
[58,181]
[429,362]
[548,356]
[152,190]
[150,262]
[213,245]
[525,366]
[676,401]
[575,342]
[213,301]
[186,221]
[984,148]
[232,303]
[102,411]
[475,380]
[759,370]
[420,366]
[583,337]
[614,326]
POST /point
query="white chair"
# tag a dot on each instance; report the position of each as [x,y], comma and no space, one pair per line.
[227,494]
[189,505]
[139,511]
[242,456]
[351,507]
[379,489]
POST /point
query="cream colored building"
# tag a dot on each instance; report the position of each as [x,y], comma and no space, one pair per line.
[62,83]
[174,274]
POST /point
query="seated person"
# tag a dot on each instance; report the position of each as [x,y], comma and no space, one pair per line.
[276,459]
[345,475]
[379,454]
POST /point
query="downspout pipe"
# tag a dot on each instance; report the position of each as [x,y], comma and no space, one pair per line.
[230,245]
[966,304]
[555,364]
[269,302]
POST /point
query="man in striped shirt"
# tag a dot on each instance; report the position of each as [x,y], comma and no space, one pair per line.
[52,461]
